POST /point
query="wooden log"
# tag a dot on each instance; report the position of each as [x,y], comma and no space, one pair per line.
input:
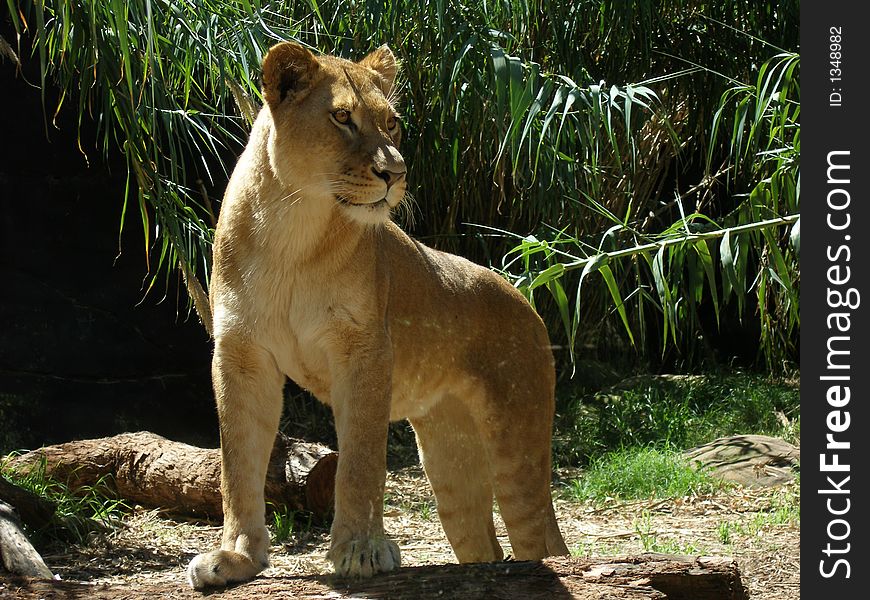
[150,470]
[678,577]
[643,577]
[18,556]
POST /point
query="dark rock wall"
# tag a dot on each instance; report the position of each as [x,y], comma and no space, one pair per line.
[82,353]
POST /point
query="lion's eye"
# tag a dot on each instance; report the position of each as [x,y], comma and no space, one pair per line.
[392,123]
[342,116]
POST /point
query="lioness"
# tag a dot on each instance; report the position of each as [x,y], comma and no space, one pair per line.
[313,281]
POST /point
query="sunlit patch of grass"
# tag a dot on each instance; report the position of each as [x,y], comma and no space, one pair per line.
[283,524]
[641,473]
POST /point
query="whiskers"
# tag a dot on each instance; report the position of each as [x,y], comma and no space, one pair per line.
[295,200]
[278,208]
[407,210]
[298,197]
[394,98]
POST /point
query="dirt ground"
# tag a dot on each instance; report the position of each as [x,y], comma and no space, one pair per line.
[146,559]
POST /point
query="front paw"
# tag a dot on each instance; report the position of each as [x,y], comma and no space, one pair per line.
[220,567]
[364,557]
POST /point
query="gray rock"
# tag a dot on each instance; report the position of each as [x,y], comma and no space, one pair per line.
[750,460]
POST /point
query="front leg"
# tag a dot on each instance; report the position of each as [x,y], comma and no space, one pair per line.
[360,398]
[248,388]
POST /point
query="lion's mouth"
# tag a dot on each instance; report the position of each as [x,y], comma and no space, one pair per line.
[378,204]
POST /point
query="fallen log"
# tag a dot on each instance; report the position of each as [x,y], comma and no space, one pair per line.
[17,554]
[150,470]
[646,576]
[643,577]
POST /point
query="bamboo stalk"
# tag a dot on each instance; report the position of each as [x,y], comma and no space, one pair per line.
[706,235]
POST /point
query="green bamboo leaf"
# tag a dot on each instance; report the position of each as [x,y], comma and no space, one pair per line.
[501,76]
[531,114]
[596,99]
[66,23]
[561,299]
[607,274]
[784,284]
[558,101]
[590,266]
[779,265]
[457,63]
[742,269]
[552,272]
[572,97]
[119,14]
[706,261]
[312,3]
[13,13]
[42,45]
[739,130]
[664,292]
[593,264]
[695,276]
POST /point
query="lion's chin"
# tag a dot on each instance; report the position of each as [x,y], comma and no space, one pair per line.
[371,213]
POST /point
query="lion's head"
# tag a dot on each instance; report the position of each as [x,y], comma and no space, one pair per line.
[335,135]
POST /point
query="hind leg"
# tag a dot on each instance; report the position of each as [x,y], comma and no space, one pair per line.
[455,463]
[518,434]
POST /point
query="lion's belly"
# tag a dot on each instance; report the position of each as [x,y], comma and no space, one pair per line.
[423,377]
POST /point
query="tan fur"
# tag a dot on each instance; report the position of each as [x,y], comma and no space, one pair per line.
[312,280]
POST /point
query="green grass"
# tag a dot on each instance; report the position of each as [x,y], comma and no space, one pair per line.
[285,524]
[724,528]
[629,440]
[282,525]
[677,413]
[640,474]
[89,509]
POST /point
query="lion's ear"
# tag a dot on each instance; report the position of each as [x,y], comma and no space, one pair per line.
[383,62]
[288,71]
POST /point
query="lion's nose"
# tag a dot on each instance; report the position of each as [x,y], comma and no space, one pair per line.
[390,177]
